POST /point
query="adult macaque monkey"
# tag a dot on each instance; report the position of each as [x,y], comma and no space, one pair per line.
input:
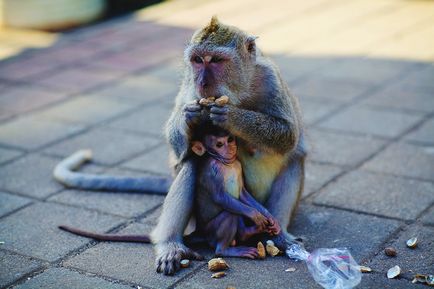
[261,113]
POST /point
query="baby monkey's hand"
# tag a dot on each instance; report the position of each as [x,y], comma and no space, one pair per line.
[273,227]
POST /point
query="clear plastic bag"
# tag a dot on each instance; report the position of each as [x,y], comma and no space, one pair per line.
[331,268]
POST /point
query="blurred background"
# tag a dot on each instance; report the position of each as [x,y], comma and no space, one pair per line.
[103,75]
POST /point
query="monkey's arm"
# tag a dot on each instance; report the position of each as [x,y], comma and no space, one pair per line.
[275,130]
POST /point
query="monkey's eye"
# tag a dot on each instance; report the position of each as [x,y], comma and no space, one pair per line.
[231,139]
[219,144]
[216,59]
[197,59]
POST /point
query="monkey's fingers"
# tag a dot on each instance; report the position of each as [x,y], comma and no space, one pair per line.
[192,255]
[219,110]
[192,107]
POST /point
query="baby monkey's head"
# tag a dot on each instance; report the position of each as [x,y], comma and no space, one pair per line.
[217,142]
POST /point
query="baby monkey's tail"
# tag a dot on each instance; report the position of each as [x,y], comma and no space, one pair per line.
[107,237]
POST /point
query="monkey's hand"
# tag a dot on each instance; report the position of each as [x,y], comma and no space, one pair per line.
[219,115]
[192,112]
[260,221]
[273,227]
[170,254]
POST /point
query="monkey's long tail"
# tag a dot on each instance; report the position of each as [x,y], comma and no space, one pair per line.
[107,237]
[65,174]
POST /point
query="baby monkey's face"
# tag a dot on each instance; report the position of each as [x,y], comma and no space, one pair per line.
[225,146]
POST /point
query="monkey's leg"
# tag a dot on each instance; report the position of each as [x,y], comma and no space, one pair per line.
[177,207]
[224,228]
[284,197]
[244,233]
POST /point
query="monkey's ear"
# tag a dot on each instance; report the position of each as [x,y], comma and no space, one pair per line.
[198,148]
[251,44]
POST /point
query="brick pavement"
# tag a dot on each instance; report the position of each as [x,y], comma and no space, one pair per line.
[364,74]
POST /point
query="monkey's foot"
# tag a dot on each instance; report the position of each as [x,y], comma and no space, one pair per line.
[170,254]
[284,240]
[242,252]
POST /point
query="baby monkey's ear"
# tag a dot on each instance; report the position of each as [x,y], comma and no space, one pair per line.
[198,148]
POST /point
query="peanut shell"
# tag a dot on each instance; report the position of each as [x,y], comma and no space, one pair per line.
[217,264]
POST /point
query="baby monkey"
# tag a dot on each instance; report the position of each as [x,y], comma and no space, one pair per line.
[226,212]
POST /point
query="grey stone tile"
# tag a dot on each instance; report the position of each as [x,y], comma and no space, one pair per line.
[318,88]
[150,119]
[372,121]
[152,218]
[140,89]
[155,161]
[15,266]
[418,260]
[406,160]
[11,203]
[108,145]
[331,228]
[423,134]
[33,231]
[316,175]
[312,111]
[8,154]
[86,109]
[364,70]
[379,194]
[380,280]
[119,203]
[404,98]
[428,217]
[126,261]
[33,132]
[31,176]
[268,273]
[55,278]
[420,79]
[24,98]
[341,149]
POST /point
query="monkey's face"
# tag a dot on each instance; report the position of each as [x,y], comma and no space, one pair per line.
[209,71]
[225,146]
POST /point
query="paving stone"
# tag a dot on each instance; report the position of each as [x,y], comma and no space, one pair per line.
[423,134]
[341,149]
[317,88]
[140,89]
[11,203]
[33,132]
[316,175]
[420,80]
[24,98]
[86,109]
[55,278]
[428,217]
[313,111]
[26,68]
[109,146]
[8,154]
[364,70]
[268,273]
[418,260]
[372,122]
[126,261]
[380,280]
[155,161]
[33,231]
[331,228]
[76,79]
[379,194]
[149,119]
[31,176]
[116,203]
[404,98]
[152,218]
[405,160]
[15,266]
